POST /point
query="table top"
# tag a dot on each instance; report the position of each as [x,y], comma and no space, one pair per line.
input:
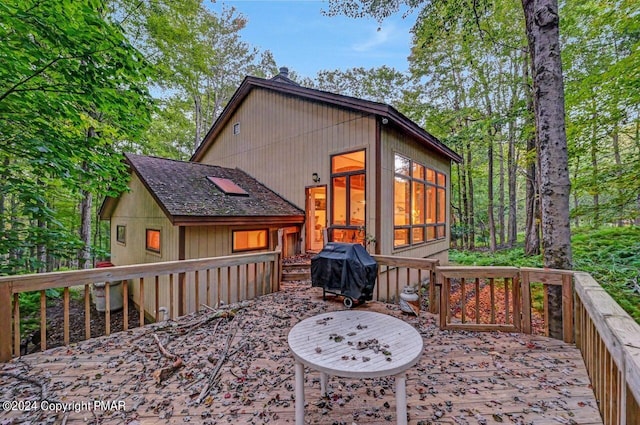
[353,343]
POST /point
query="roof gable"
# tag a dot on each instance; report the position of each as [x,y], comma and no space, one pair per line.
[186,194]
[279,85]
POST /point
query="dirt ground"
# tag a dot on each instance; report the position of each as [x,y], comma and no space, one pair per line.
[55,323]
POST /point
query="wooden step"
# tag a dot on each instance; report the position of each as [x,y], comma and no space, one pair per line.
[292,272]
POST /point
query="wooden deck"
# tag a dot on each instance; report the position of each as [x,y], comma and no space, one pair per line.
[244,362]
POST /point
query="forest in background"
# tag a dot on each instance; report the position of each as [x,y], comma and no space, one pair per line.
[81,82]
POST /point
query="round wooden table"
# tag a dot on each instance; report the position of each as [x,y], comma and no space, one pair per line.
[354,344]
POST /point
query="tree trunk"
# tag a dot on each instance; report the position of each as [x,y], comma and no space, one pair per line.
[594,167]
[469,197]
[501,197]
[616,154]
[512,163]
[491,219]
[576,200]
[85,230]
[532,222]
[459,209]
[41,248]
[465,205]
[542,25]
[198,118]
[84,256]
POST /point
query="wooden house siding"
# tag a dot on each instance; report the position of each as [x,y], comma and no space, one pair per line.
[138,211]
[216,241]
[393,142]
[283,140]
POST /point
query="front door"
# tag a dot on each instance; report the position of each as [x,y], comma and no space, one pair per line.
[316,217]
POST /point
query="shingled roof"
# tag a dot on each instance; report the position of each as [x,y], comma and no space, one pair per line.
[187,195]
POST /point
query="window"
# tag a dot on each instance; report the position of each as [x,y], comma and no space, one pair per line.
[153,240]
[348,201]
[419,203]
[236,128]
[249,240]
[121,234]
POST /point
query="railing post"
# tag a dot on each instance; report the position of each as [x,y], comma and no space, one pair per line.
[434,305]
[525,292]
[279,270]
[5,322]
[567,308]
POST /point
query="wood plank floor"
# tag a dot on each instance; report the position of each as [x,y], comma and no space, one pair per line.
[462,377]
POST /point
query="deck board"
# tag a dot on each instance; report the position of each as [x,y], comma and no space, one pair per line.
[462,377]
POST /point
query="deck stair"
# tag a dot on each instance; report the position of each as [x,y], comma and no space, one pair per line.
[296,268]
[293,272]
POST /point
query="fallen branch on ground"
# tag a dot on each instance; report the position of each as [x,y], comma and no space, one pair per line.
[222,358]
[164,373]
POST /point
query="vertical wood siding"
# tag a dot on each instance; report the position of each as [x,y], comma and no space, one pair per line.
[241,282]
[395,142]
[283,140]
[137,210]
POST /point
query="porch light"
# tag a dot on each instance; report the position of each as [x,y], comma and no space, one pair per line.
[315,177]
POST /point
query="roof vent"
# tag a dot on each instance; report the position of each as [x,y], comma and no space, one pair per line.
[284,71]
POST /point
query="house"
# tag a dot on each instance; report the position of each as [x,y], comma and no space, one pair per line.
[331,167]
[359,169]
[178,210]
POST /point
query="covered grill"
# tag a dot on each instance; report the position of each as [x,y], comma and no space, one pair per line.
[345,269]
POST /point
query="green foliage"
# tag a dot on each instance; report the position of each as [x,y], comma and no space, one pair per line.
[601,58]
[383,84]
[611,255]
[200,59]
[506,257]
[71,89]
[30,308]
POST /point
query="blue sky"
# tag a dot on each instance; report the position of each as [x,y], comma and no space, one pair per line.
[304,40]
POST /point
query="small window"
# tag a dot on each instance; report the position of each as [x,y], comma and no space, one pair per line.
[121,234]
[249,240]
[236,128]
[153,240]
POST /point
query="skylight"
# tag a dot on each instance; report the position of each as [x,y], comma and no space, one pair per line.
[228,187]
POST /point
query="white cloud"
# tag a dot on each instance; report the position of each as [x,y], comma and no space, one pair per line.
[385,35]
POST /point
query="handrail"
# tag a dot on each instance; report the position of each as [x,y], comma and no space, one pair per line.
[416,270]
[607,337]
[609,340]
[191,273]
[470,312]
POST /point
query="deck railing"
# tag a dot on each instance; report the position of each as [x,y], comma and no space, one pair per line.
[469,302]
[608,338]
[186,285]
[394,273]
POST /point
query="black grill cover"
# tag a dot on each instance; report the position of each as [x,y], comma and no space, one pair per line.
[345,268]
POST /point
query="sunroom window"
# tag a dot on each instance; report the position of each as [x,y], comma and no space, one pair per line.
[419,203]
